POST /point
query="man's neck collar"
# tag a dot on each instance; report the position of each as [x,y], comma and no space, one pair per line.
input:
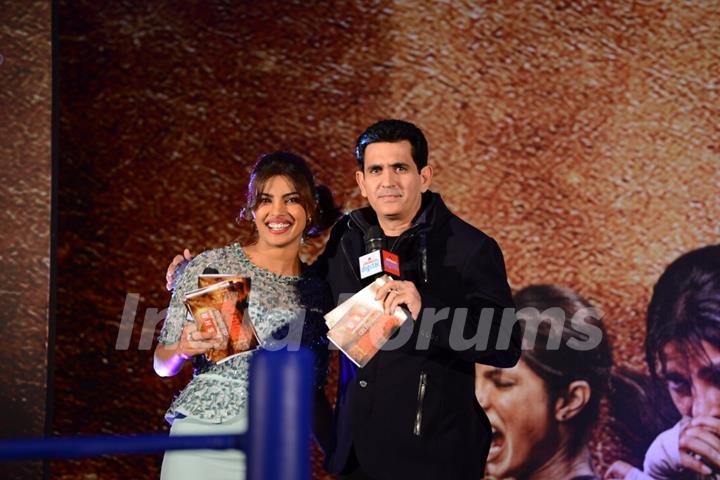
[394,229]
[365,217]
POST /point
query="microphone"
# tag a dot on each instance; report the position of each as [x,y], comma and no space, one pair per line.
[374,239]
[210,271]
[377,261]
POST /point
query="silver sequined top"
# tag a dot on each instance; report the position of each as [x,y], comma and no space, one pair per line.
[220,391]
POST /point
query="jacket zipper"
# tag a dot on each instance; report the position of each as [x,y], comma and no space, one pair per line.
[347,258]
[422,387]
[404,236]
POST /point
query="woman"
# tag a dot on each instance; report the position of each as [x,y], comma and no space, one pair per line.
[284,204]
[682,349]
[542,411]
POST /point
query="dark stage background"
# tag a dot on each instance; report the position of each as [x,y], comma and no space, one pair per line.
[25,186]
[582,135]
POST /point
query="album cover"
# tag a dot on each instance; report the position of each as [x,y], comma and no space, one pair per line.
[359,327]
[220,307]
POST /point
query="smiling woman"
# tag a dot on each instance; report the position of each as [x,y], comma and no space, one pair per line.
[280,217]
[543,410]
[284,204]
[293,172]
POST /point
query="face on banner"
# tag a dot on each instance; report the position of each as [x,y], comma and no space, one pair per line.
[525,432]
[693,378]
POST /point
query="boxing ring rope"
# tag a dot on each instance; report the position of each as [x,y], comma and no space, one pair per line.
[277,441]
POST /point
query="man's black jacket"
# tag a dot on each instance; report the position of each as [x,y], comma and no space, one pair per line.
[411,412]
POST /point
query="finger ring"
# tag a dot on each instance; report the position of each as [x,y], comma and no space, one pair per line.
[189,337]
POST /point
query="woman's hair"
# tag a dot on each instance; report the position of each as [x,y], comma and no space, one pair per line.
[685,306]
[317,200]
[558,367]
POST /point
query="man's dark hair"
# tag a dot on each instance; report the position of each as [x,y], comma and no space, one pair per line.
[393,131]
[685,306]
[558,368]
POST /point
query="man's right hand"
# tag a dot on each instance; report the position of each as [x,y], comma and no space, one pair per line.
[400,292]
[176,267]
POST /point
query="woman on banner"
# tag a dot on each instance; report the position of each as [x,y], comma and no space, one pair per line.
[543,410]
[284,205]
[682,349]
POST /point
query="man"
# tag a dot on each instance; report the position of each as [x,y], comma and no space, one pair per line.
[411,411]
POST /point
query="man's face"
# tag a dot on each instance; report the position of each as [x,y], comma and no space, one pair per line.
[693,379]
[391,181]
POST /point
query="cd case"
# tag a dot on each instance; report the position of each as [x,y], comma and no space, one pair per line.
[219,306]
[359,326]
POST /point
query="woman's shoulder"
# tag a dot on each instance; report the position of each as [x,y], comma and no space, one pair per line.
[223,260]
[232,248]
[217,255]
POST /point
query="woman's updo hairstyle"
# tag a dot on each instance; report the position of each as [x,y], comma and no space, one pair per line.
[317,200]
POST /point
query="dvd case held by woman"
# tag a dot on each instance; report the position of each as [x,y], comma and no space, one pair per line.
[219,306]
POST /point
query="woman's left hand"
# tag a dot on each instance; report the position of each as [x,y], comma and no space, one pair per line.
[400,292]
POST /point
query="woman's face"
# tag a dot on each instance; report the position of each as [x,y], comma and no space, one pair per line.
[279,216]
[525,433]
[693,379]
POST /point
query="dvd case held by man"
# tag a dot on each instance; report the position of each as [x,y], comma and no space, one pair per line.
[359,327]
[220,307]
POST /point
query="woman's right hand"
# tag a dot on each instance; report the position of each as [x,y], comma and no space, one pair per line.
[194,342]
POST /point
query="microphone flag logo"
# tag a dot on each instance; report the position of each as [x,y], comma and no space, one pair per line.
[370,264]
[391,263]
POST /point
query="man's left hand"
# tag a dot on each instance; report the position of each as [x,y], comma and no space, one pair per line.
[176,267]
[400,292]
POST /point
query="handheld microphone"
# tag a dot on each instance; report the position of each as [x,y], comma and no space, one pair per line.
[374,239]
[377,261]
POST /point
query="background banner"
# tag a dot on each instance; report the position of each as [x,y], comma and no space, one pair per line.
[583,136]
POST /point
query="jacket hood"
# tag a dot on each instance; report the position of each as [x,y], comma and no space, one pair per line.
[433,214]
